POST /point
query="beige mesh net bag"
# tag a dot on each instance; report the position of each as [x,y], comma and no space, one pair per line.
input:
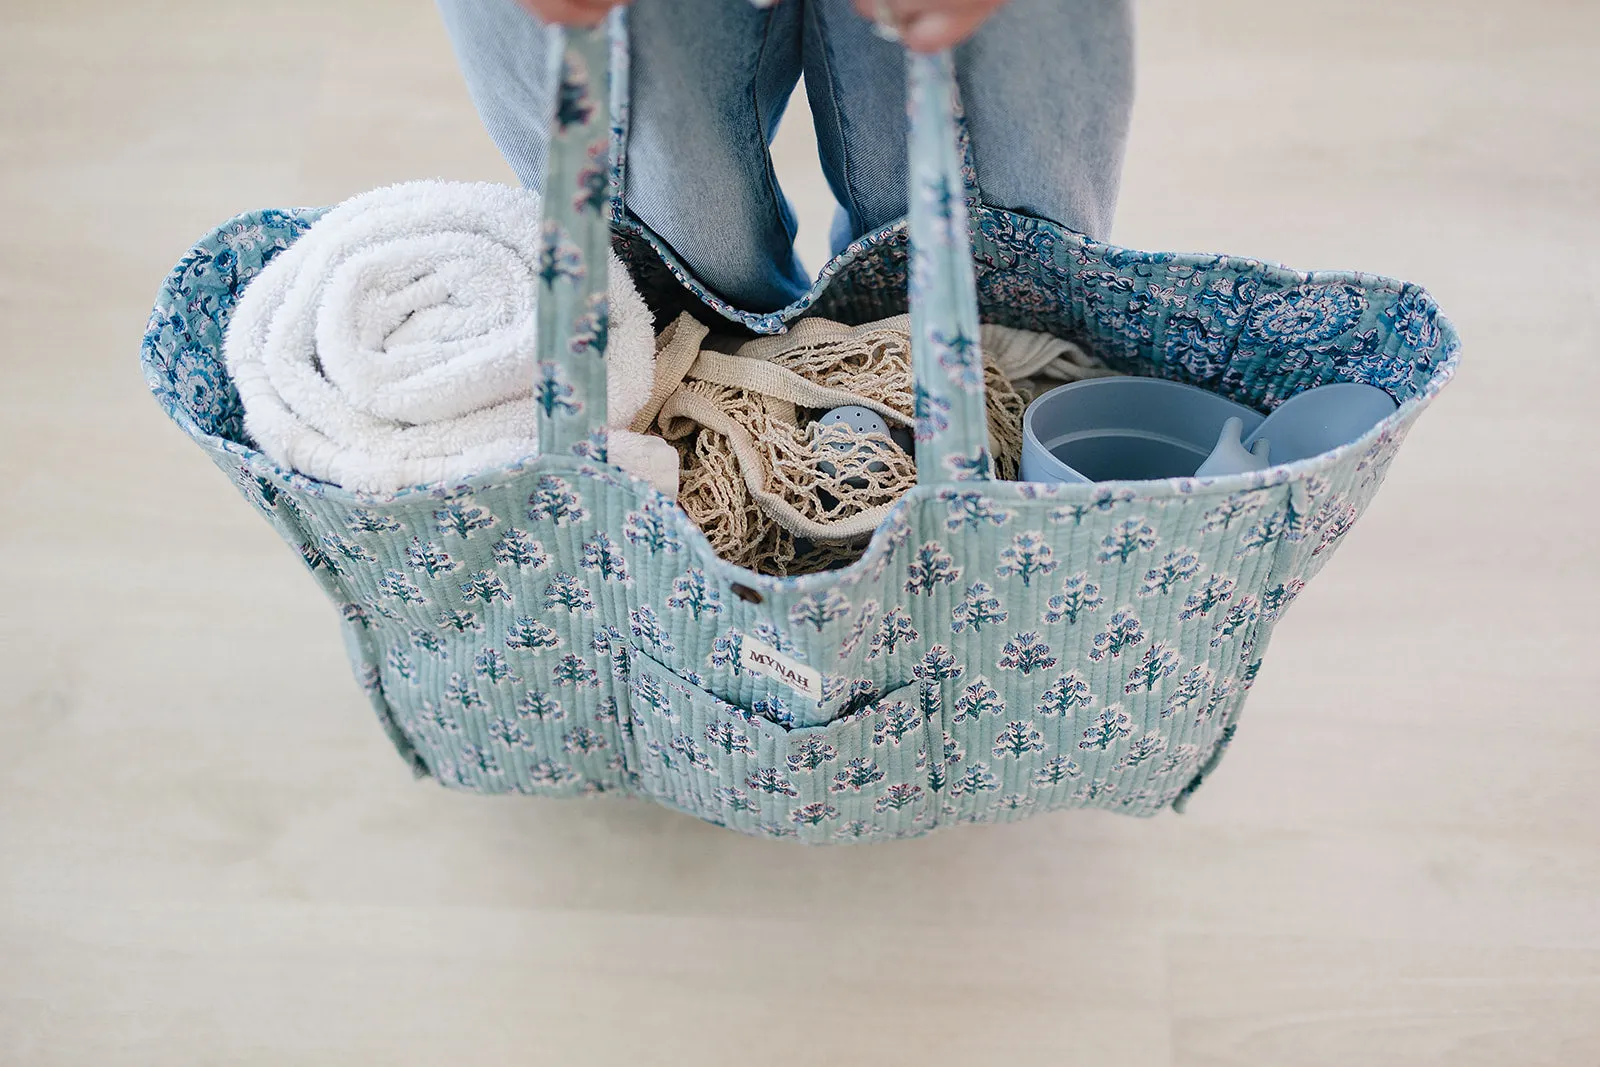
[772,489]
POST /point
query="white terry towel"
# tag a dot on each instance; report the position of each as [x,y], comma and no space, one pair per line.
[630,375]
[392,345]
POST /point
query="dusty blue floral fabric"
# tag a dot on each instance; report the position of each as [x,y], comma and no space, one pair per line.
[570,388]
[952,428]
[558,628]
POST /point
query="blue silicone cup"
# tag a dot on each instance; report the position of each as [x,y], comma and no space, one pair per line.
[1124,429]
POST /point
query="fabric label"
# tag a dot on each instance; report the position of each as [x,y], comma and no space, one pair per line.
[763,659]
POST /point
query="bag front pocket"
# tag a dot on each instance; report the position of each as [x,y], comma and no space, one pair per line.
[863,775]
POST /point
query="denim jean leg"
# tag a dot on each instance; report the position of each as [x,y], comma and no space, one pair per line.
[710,79]
[710,82]
[502,50]
[856,85]
[1048,89]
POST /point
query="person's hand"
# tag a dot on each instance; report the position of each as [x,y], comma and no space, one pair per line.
[929,25]
[571,12]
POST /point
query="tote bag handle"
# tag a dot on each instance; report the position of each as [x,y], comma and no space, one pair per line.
[583,182]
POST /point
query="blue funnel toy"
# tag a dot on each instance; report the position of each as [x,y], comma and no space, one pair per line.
[1307,424]
[1231,457]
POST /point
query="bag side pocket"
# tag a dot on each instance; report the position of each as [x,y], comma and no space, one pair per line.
[860,776]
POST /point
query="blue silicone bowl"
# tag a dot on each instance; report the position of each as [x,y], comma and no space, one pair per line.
[1124,429]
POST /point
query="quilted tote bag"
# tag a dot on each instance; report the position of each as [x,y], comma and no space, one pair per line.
[558,628]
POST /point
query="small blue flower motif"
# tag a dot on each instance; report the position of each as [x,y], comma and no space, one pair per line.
[897,796]
[726,651]
[813,813]
[559,256]
[894,721]
[592,329]
[937,196]
[647,627]
[962,359]
[360,520]
[974,780]
[459,621]
[774,709]
[972,509]
[771,780]
[573,103]
[735,799]
[811,753]
[462,518]
[479,759]
[692,592]
[485,586]
[593,182]
[554,500]
[552,393]
[594,447]
[547,773]
[1095,790]
[729,738]
[396,585]
[932,414]
[650,527]
[976,465]
[315,557]
[582,740]
[1306,314]
[817,611]
[491,663]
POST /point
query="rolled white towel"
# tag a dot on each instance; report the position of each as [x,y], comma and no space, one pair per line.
[630,374]
[392,345]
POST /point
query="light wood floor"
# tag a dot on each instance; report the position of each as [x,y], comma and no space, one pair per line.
[210,855]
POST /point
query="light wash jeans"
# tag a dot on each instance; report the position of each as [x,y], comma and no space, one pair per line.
[1047,86]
